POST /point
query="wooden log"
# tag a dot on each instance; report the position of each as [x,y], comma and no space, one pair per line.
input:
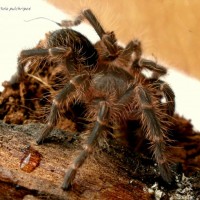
[107,174]
[32,172]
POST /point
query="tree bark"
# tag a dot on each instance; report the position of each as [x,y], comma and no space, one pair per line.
[103,176]
[29,171]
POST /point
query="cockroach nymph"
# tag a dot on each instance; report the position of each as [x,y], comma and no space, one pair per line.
[108,78]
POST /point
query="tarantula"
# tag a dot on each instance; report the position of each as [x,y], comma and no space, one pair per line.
[108,78]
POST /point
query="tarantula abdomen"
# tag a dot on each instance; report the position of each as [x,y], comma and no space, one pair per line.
[83,51]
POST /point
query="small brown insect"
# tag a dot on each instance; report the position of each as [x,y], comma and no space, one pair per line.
[30,160]
[109,80]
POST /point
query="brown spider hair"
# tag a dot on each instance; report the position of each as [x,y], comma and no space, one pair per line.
[108,78]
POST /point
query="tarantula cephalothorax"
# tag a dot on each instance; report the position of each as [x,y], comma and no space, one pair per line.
[108,79]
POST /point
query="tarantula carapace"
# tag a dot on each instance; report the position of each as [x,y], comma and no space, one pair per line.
[108,78]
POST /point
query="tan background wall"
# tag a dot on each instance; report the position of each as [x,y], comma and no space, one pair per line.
[169,29]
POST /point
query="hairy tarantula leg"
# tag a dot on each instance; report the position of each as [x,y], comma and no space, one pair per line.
[55,51]
[159,70]
[98,127]
[88,14]
[129,49]
[168,94]
[70,87]
[75,22]
[145,63]
[137,49]
[108,38]
[109,41]
[155,131]
[94,22]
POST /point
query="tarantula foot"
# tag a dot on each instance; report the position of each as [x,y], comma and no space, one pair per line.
[43,134]
[40,140]
[66,186]
[166,173]
[69,176]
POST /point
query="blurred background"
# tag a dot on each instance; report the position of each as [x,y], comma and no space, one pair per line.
[169,29]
